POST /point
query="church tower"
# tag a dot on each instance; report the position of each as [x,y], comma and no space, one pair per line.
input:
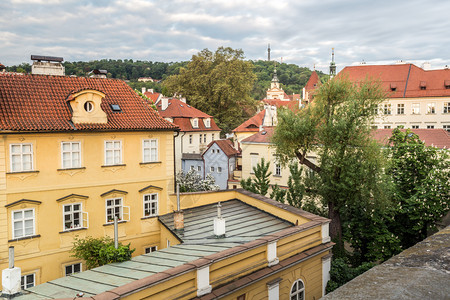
[332,64]
[268,53]
[275,83]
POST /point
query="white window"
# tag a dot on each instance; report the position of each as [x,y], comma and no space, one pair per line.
[72,269]
[298,291]
[70,155]
[207,122]
[192,168]
[446,127]
[151,249]
[114,207]
[21,157]
[27,281]
[415,108]
[415,126]
[446,109]
[23,223]
[200,138]
[219,169]
[190,139]
[199,168]
[387,109]
[430,126]
[431,108]
[195,123]
[113,153]
[150,150]
[277,169]
[387,126]
[212,137]
[400,109]
[254,163]
[204,138]
[73,216]
[211,169]
[151,205]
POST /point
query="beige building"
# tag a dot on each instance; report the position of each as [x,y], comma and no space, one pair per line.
[417,97]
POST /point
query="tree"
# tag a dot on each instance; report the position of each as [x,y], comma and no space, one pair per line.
[337,127]
[294,194]
[100,251]
[192,182]
[218,84]
[260,183]
[277,193]
[420,175]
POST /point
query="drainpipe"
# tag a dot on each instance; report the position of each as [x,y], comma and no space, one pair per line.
[11,278]
[174,161]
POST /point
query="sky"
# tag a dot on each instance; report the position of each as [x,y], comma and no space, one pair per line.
[301,32]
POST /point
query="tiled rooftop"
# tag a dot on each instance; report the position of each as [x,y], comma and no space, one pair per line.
[252,124]
[40,103]
[226,146]
[244,224]
[438,138]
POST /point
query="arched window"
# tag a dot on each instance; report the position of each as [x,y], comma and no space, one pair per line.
[298,290]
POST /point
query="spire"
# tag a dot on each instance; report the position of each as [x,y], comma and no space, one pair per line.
[332,64]
[275,83]
[268,52]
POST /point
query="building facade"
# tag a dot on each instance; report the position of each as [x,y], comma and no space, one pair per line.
[220,160]
[74,153]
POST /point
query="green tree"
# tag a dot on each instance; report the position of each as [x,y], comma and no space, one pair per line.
[192,182]
[337,127]
[295,192]
[260,183]
[421,178]
[100,251]
[218,84]
[277,193]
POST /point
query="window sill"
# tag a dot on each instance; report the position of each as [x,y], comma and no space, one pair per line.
[150,162]
[74,229]
[149,217]
[118,165]
[22,172]
[279,176]
[25,238]
[71,169]
[112,223]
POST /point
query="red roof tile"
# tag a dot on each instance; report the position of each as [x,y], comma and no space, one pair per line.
[186,125]
[439,138]
[226,146]
[405,78]
[260,137]
[40,102]
[251,124]
[279,103]
[313,81]
[152,96]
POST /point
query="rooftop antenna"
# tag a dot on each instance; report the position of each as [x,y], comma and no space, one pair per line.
[332,64]
[268,52]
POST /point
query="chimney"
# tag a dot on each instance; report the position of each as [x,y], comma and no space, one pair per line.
[143,90]
[2,68]
[178,217]
[164,103]
[11,277]
[219,223]
[47,65]
[183,99]
[150,91]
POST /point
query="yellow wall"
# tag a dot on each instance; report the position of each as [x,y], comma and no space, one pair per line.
[49,253]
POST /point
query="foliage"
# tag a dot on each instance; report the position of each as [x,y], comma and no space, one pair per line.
[420,175]
[295,192]
[100,251]
[260,183]
[192,182]
[336,126]
[147,99]
[341,272]
[277,193]
[218,84]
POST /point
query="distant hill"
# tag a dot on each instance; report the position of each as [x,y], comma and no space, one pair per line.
[292,77]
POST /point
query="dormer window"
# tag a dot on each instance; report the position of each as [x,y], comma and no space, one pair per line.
[423,85]
[195,123]
[447,84]
[393,87]
[88,106]
[207,122]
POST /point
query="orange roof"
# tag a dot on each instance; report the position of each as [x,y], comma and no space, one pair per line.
[279,103]
[439,138]
[181,113]
[263,136]
[403,80]
[313,81]
[40,103]
[152,96]
[251,124]
[226,146]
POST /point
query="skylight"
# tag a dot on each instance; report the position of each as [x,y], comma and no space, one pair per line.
[115,107]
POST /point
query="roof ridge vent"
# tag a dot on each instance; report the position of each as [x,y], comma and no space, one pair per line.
[219,223]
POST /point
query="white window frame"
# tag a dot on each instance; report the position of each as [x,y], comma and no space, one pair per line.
[207,123]
[431,108]
[212,137]
[446,108]
[22,164]
[190,139]
[116,148]
[415,108]
[414,126]
[199,168]
[400,109]
[204,138]
[195,123]
[72,266]
[149,150]
[150,202]
[23,281]
[83,221]
[387,109]
[254,159]
[219,169]
[298,290]
[211,169]
[72,161]
[277,169]
[123,211]
[200,138]
[430,126]
[150,249]
[387,126]
[446,127]
[23,220]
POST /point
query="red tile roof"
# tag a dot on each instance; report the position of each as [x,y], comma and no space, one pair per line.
[405,78]
[40,102]
[260,137]
[313,81]
[181,113]
[279,103]
[438,138]
[152,96]
[251,124]
[226,146]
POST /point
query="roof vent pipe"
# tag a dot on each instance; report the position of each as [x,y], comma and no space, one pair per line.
[219,223]
[11,277]
[178,217]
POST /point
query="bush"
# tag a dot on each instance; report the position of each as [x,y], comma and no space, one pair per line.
[100,251]
[341,272]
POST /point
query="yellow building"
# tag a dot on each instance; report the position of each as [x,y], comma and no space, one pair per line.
[234,245]
[74,153]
